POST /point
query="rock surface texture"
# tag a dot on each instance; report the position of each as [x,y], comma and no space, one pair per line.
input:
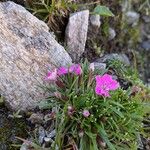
[26,48]
[76,34]
[95,21]
[114,56]
[132,18]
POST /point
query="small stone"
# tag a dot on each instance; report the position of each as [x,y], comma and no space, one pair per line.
[147,147]
[140,143]
[46,139]
[95,21]
[76,34]
[112,33]
[51,134]
[115,77]
[146,19]
[114,56]
[132,18]
[36,118]
[146,45]
[24,146]
[41,134]
[101,66]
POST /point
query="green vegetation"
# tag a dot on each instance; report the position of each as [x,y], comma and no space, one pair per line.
[9,128]
[53,12]
[112,122]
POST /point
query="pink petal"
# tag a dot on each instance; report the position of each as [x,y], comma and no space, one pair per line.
[75,68]
[51,75]
[62,71]
[104,84]
[101,92]
[78,70]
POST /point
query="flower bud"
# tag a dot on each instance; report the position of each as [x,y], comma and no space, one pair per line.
[91,67]
[70,111]
[60,84]
[86,113]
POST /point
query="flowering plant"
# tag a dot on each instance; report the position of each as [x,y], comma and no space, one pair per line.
[92,111]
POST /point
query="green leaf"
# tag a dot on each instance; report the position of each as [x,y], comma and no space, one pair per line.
[105,138]
[93,139]
[116,103]
[117,112]
[102,11]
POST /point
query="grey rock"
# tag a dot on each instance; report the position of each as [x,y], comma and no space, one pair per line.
[146,45]
[132,18]
[51,134]
[145,31]
[122,57]
[95,21]
[24,146]
[42,134]
[48,140]
[76,34]
[146,19]
[111,33]
[125,6]
[140,143]
[36,118]
[101,66]
[26,48]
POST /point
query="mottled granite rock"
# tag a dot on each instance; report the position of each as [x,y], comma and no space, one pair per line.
[114,56]
[76,34]
[95,21]
[146,45]
[111,33]
[26,48]
[132,18]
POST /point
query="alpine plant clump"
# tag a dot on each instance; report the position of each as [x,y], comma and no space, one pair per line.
[91,111]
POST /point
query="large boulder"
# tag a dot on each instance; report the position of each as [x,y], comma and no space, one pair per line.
[76,34]
[26,48]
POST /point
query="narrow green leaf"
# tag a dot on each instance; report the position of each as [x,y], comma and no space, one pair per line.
[93,139]
[117,112]
[116,103]
[105,138]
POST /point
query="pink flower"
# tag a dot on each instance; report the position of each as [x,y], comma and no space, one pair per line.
[52,75]
[75,68]
[104,84]
[86,113]
[62,71]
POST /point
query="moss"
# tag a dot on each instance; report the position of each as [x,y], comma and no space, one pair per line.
[9,128]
